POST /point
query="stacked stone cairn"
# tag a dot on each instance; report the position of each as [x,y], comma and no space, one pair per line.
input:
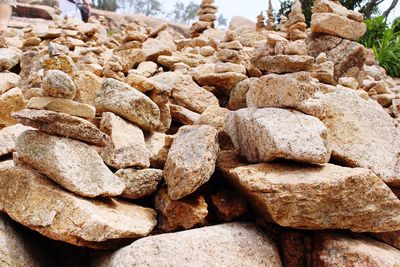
[260,22]
[207,18]
[270,25]
[236,148]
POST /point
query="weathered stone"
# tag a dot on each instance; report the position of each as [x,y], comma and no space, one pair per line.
[8,80]
[179,214]
[327,6]
[283,63]
[336,25]
[228,205]
[208,246]
[8,136]
[62,63]
[227,55]
[339,250]
[9,58]
[154,48]
[224,81]
[183,115]
[10,101]
[314,197]
[129,103]
[57,83]
[62,124]
[127,147]
[70,163]
[36,202]
[87,85]
[158,145]
[147,68]
[191,160]
[237,99]
[62,105]
[139,183]
[130,58]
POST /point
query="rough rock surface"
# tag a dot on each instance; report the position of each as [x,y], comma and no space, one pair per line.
[10,101]
[36,202]
[158,145]
[9,58]
[139,183]
[191,160]
[8,136]
[283,63]
[262,135]
[208,246]
[8,80]
[57,83]
[62,124]
[87,85]
[70,163]
[314,197]
[228,205]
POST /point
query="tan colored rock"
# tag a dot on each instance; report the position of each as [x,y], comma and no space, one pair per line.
[139,183]
[183,115]
[87,85]
[228,205]
[10,101]
[263,135]
[314,197]
[191,160]
[283,63]
[224,81]
[208,246]
[158,145]
[229,67]
[237,98]
[147,68]
[8,80]
[36,202]
[130,58]
[63,63]
[327,6]
[8,136]
[336,25]
[228,55]
[9,58]
[179,214]
[349,82]
[127,147]
[57,83]
[154,48]
[72,164]
[62,124]
[339,250]
[62,105]
[129,103]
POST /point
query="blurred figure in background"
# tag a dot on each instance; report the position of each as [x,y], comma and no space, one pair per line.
[78,9]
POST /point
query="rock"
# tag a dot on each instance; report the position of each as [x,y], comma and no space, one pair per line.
[339,250]
[263,135]
[237,99]
[130,58]
[58,84]
[7,164]
[179,214]
[129,103]
[139,183]
[154,48]
[158,145]
[146,69]
[8,80]
[183,115]
[62,124]
[314,197]
[227,55]
[208,246]
[62,105]
[72,164]
[225,81]
[283,63]
[9,58]
[127,147]
[36,202]
[8,136]
[326,6]
[191,160]
[87,85]
[62,63]
[228,205]
[229,67]
[10,101]
[336,25]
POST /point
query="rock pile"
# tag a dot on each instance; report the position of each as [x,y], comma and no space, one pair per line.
[280,142]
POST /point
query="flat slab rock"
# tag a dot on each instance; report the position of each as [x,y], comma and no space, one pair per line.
[262,135]
[191,160]
[283,63]
[62,124]
[139,183]
[36,202]
[208,246]
[338,250]
[8,136]
[70,163]
[314,197]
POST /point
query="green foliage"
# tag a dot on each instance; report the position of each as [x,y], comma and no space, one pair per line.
[385,41]
[184,14]
[110,5]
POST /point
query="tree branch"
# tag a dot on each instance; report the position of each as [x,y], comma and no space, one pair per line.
[392,6]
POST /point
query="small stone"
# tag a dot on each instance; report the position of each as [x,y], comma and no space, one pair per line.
[11,101]
[349,82]
[191,160]
[283,63]
[72,164]
[147,68]
[227,55]
[58,84]
[87,85]
[183,115]
[228,205]
[9,58]
[179,214]
[154,48]
[8,80]
[158,145]
[62,63]
[225,81]
[8,136]
[139,183]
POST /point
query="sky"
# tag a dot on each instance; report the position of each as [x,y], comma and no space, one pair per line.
[251,8]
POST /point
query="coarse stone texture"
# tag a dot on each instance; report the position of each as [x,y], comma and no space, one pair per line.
[179,214]
[183,115]
[63,63]
[237,99]
[224,81]
[70,163]
[57,83]
[62,124]
[263,135]
[129,103]
[327,6]
[87,85]
[36,202]
[8,136]
[336,25]
[11,101]
[283,63]
[140,183]
[9,58]
[314,197]
[8,80]
[158,145]
[391,238]
[62,105]
[130,58]
[127,147]
[14,250]
[154,48]
[339,250]
[208,246]
[228,205]
[191,160]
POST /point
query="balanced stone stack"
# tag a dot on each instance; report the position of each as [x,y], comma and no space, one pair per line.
[260,22]
[296,25]
[270,25]
[207,18]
